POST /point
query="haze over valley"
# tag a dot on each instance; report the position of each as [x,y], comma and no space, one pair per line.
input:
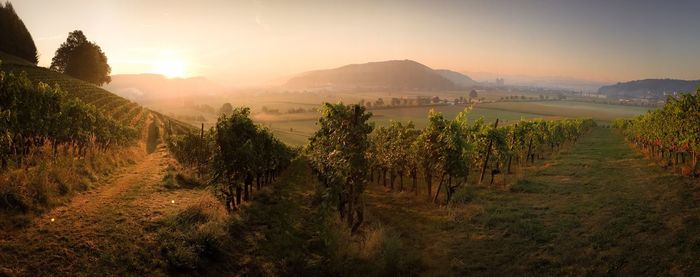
[349,138]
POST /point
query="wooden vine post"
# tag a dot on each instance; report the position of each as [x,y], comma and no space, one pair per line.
[512,146]
[488,154]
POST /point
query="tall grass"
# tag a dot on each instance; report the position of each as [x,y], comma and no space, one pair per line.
[196,235]
[45,183]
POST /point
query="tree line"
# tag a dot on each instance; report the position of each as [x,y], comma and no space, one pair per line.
[15,38]
[670,134]
[235,156]
[77,57]
[34,117]
[347,152]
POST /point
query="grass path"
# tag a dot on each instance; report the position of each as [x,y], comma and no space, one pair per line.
[105,230]
[597,208]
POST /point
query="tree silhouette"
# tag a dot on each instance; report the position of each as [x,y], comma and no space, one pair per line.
[82,59]
[14,36]
[226,108]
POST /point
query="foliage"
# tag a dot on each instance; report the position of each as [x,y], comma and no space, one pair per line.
[15,39]
[194,235]
[241,152]
[671,130]
[337,154]
[448,150]
[82,59]
[35,115]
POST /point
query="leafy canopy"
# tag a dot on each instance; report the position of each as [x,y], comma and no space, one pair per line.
[82,59]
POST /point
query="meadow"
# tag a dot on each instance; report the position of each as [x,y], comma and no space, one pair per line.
[295,128]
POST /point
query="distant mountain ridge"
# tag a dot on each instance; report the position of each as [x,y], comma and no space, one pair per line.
[395,75]
[649,88]
[457,78]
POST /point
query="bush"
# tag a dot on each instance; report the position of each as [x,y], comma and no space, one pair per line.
[193,236]
[463,195]
[169,178]
[187,181]
[11,198]
[395,257]
[37,187]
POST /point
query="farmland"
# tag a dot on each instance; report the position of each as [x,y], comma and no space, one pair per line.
[295,128]
[372,138]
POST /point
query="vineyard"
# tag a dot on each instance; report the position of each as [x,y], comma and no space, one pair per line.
[121,110]
[670,135]
[346,154]
[36,115]
[59,134]
[236,155]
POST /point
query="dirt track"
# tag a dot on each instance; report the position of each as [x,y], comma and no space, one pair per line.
[107,229]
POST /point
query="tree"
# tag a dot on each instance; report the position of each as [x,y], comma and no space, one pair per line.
[473,95]
[15,39]
[82,59]
[226,108]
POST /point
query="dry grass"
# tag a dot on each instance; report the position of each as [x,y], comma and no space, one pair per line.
[47,183]
[195,235]
[109,229]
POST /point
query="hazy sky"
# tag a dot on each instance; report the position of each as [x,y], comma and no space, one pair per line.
[244,42]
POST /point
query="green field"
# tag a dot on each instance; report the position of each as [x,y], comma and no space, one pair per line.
[601,112]
[295,129]
[296,132]
[596,208]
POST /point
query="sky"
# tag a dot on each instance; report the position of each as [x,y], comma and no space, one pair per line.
[255,42]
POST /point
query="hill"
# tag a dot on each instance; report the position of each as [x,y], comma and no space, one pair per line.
[150,88]
[124,111]
[457,78]
[388,75]
[649,88]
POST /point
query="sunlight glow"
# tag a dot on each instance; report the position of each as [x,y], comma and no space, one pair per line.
[171,68]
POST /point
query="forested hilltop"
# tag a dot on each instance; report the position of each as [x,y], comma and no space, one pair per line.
[649,88]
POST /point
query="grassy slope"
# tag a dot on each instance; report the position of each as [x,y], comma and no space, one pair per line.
[597,208]
[129,113]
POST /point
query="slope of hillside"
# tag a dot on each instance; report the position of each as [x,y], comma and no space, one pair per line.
[121,109]
[650,88]
[394,75]
[457,78]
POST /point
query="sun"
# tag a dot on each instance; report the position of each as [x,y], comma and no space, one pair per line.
[171,68]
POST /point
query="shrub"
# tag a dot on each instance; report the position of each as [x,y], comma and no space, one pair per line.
[11,198]
[37,188]
[188,181]
[195,235]
[169,178]
[396,258]
[463,195]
